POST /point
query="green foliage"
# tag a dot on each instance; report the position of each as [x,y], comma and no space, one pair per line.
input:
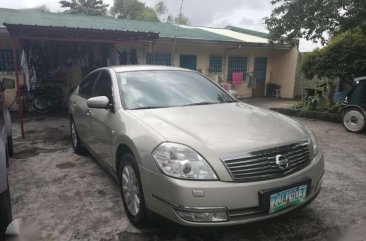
[160,8]
[337,107]
[87,7]
[181,20]
[344,56]
[317,103]
[43,8]
[312,19]
[133,9]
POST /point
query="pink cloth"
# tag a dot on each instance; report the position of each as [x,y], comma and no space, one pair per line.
[238,78]
[226,86]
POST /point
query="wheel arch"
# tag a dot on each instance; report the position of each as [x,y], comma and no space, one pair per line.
[122,149]
[363,111]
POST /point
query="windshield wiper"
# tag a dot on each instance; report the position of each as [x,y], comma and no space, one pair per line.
[202,103]
[149,107]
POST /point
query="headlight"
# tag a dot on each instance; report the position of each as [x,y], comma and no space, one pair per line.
[180,161]
[314,141]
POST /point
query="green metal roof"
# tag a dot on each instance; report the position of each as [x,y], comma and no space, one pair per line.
[32,17]
[247,31]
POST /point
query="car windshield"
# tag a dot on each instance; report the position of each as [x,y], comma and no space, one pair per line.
[161,89]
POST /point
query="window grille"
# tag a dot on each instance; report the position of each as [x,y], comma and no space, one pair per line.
[215,64]
[159,59]
[237,64]
[6,60]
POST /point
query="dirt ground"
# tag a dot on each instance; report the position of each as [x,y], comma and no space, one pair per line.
[71,197]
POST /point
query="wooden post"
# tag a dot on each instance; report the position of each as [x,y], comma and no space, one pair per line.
[19,101]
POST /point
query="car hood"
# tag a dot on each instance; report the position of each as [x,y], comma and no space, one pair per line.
[227,129]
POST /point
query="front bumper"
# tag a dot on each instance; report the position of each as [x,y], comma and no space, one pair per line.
[165,196]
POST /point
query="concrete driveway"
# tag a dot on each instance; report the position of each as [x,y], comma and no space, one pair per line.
[71,197]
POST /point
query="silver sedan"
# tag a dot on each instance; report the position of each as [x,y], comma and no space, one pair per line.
[181,147]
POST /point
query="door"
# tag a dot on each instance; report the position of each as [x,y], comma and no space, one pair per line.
[81,110]
[260,73]
[102,120]
[188,62]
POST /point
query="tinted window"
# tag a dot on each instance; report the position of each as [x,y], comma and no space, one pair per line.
[358,94]
[157,89]
[86,86]
[103,86]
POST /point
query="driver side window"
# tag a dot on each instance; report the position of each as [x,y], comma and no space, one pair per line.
[86,86]
[103,86]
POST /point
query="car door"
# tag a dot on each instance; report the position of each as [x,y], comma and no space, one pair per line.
[81,112]
[102,120]
[3,161]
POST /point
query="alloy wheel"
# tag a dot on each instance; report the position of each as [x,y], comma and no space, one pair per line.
[74,135]
[130,190]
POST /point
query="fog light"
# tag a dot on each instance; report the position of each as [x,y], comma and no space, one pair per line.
[203,216]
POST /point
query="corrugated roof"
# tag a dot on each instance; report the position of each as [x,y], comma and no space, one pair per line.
[247,31]
[34,17]
[237,35]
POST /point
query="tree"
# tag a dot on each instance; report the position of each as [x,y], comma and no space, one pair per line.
[87,7]
[43,8]
[160,8]
[181,19]
[313,20]
[344,57]
[133,9]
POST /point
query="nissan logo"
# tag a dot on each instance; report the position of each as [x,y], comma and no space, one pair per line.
[282,162]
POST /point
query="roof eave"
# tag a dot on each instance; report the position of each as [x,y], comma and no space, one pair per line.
[226,43]
[46,32]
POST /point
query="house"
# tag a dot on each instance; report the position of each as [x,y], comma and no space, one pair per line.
[59,49]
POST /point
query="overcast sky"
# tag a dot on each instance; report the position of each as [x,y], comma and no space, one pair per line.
[213,13]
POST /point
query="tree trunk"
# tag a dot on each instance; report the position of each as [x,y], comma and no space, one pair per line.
[330,93]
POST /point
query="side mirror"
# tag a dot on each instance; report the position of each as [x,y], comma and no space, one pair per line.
[99,102]
[233,93]
[7,83]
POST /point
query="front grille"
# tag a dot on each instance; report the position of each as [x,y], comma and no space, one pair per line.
[261,165]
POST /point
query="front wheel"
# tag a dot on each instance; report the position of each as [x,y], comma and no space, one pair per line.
[131,191]
[75,139]
[354,120]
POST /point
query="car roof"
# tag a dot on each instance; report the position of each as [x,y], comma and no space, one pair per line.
[129,68]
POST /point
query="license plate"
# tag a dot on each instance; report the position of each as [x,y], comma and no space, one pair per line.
[284,199]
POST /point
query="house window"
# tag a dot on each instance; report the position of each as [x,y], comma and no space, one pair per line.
[6,60]
[159,59]
[237,64]
[215,64]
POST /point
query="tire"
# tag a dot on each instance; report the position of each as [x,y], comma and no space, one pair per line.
[10,146]
[42,104]
[75,139]
[5,211]
[130,184]
[353,120]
